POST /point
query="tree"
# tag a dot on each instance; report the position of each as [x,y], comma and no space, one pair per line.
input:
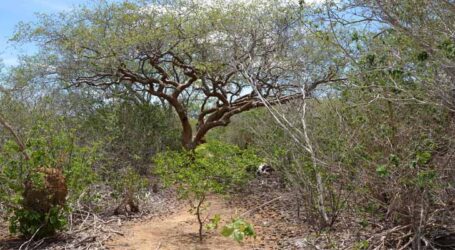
[430,25]
[184,53]
[420,41]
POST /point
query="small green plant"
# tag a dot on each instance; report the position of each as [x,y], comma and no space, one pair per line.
[212,168]
[382,171]
[238,230]
[214,222]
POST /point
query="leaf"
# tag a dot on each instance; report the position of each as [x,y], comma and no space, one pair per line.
[382,171]
[355,36]
[227,231]
[238,236]
[213,224]
[249,231]
[423,157]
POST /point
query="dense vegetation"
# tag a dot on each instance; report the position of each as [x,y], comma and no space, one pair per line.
[351,101]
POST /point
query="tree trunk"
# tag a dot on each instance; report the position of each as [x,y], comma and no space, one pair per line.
[199,219]
[187,130]
[187,134]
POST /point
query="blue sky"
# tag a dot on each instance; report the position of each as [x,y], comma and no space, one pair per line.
[14,11]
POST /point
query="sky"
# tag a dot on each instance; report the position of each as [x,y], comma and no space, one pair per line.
[14,11]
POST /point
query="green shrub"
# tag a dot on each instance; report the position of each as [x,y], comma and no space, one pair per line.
[127,183]
[24,189]
[29,222]
[213,167]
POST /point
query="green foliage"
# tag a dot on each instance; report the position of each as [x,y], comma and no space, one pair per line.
[49,146]
[212,167]
[30,222]
[238,230]
[130,134]
[58,147]
[426,179]
[214,222]
[448,48]
[382,171]
[423,158]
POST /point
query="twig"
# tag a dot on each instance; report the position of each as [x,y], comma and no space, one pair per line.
[388,232]
[260,206]
[86,239]
[111,231]
[30,240]
[159,246]
[407,244]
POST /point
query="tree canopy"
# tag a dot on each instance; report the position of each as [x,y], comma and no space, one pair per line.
[219,56]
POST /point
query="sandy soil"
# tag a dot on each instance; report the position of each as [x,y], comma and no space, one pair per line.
[179,231]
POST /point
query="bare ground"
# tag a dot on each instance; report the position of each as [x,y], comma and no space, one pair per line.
[178,231]
[266,206]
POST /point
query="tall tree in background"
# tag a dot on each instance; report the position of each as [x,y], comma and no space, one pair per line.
[420,42]
[185,53]
[430,25]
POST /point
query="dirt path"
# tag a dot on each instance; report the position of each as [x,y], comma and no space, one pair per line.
[178,231]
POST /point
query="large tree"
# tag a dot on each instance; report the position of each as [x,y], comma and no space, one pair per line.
[219,56]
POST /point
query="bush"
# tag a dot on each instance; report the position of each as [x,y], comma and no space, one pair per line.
[30,222]
[39,191]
